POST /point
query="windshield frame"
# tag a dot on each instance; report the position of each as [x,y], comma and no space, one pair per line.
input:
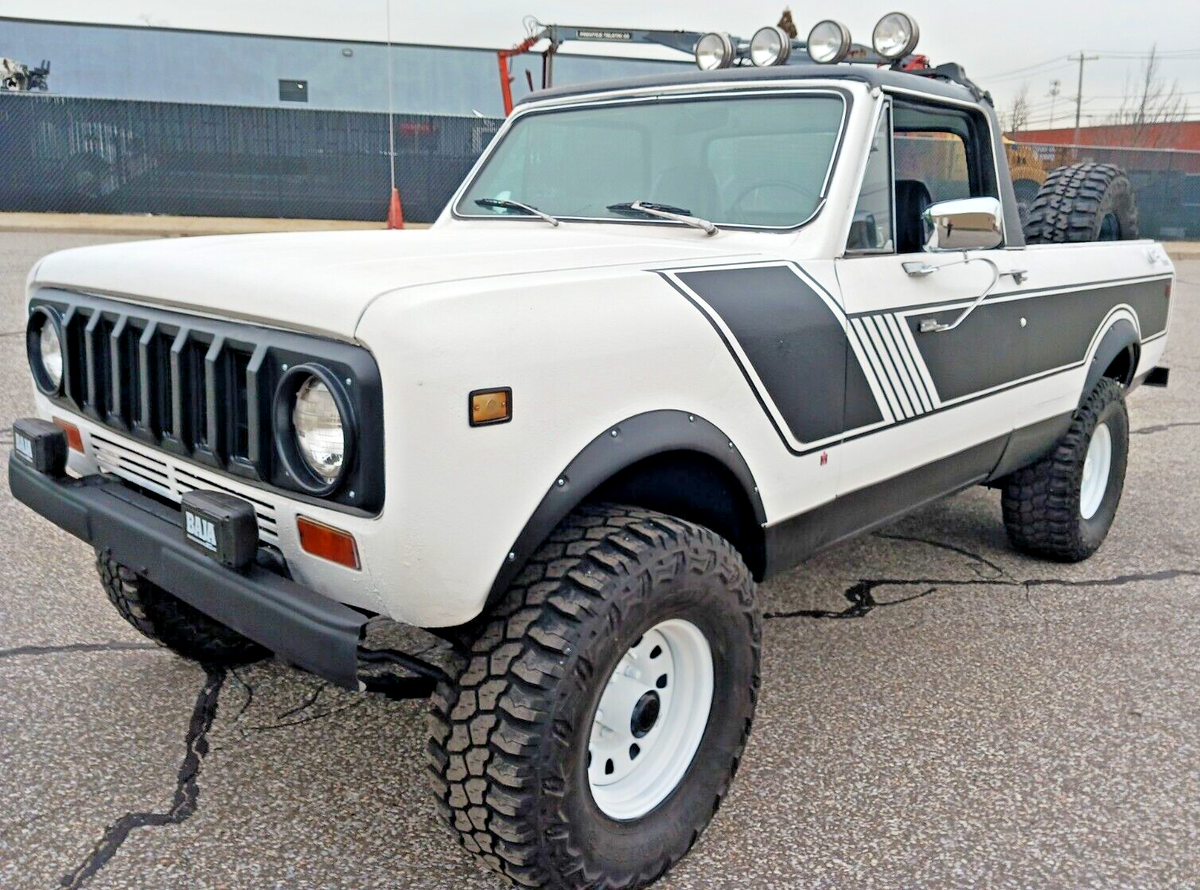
[457,211]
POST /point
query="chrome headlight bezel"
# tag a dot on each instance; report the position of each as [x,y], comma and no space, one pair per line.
[287,440]
[41,320]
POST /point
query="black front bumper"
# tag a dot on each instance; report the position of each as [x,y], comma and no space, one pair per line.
[146,536]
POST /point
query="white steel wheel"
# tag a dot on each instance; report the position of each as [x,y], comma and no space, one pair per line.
[1097,466]
[650,720]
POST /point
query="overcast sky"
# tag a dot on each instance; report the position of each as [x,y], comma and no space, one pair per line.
[1001,44]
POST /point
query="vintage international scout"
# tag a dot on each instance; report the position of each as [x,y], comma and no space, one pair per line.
[670,337]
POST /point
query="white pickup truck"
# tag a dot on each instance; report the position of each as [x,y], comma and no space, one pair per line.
[670,337]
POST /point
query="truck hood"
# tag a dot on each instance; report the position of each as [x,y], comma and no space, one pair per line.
[323,281]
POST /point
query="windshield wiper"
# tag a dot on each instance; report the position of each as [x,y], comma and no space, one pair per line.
[516,205]
[665,211]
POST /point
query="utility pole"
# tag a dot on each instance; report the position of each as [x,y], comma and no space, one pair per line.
[1081,58]
[1055,89]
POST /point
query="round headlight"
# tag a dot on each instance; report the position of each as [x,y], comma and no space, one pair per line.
[51,350]
[44,347]
[714,51]
[770,46]
[320,435]
[828,42]
[895,36]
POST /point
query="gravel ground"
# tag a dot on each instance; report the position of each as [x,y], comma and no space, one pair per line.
[937,711]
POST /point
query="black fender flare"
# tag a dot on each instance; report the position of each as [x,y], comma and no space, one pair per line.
[1122,335]
[618,447]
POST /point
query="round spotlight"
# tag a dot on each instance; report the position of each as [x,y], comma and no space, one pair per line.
[713,51]
[828,42]
[895,36]
[44,348]
[770,46]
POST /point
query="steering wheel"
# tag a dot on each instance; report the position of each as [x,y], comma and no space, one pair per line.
[804,193]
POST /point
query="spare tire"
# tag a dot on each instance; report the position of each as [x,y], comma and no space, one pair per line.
[1083,202]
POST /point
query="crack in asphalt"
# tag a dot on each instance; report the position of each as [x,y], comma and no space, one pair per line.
[308,703]
[288,724]
[862,601]
[76,647]
[953,548]
[11,333]
[280,719]
[1162,427]
[249,694]
[187,787]
[861,598]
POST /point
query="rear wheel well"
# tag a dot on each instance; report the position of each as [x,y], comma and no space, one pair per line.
[695,487]
[1123,366]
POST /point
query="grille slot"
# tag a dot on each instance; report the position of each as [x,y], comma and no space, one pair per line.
[239,440]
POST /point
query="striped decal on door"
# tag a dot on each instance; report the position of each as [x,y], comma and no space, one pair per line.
[896,364]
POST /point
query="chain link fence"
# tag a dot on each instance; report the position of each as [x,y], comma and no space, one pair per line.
[72,155]
[61,154]
[1167,181]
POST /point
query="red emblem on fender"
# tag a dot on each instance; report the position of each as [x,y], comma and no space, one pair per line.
[824,458]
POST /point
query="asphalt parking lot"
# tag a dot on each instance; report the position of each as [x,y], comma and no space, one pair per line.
[937,711]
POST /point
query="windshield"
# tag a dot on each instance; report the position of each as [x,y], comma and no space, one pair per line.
[740,161]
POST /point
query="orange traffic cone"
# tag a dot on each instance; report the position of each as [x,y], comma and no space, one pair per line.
[395,212]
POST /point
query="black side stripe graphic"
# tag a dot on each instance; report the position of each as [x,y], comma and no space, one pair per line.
[789,337]
[792,339]
[1011,340]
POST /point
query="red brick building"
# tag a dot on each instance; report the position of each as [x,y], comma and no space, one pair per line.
[1180,135]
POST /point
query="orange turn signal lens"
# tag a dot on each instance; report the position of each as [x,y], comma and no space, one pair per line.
[491,406]
[328,543]
[74,439]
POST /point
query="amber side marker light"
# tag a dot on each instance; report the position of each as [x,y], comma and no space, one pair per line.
[488,406]
[74,439]
[328,543]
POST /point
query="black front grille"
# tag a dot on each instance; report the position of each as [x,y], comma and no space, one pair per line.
[202,388]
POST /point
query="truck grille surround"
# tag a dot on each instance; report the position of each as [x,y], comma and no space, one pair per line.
[203,389]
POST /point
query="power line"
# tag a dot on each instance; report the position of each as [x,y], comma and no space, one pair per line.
[1017,71]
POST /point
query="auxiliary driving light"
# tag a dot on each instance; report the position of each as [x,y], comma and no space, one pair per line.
[828,42]
[770,46]
[713,51]
[895,36]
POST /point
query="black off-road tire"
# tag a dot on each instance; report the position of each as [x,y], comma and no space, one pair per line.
[1041,502]
[172,623]
[509,739]
[1083,202]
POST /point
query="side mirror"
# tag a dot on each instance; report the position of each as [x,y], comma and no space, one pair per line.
[964,224]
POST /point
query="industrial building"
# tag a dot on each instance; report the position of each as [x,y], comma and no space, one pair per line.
[162,120]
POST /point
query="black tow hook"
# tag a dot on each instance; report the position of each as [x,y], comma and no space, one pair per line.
[425,677]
